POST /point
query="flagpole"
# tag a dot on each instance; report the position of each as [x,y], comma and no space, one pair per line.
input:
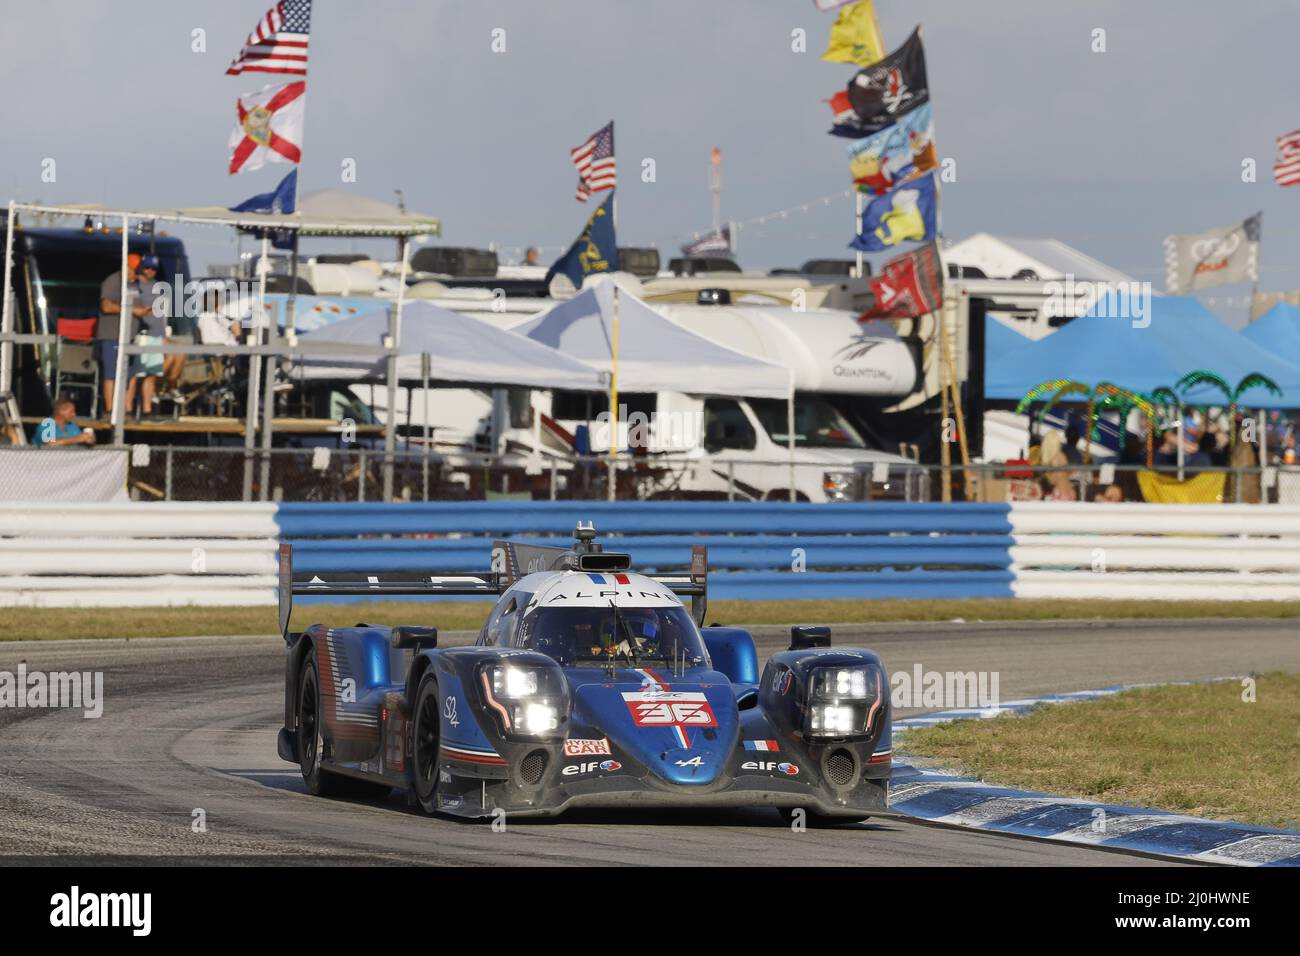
[613,371]
[613,398]
[291,305]
[857,229]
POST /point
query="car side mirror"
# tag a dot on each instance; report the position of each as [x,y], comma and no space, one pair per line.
[805,636]
[412,636]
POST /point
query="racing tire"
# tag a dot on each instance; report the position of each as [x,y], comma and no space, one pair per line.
[426,728]
[817,821]
[321,782]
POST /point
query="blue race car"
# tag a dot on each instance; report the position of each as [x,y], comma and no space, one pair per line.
[589,686]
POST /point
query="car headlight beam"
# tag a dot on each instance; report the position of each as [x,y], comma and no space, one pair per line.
[527,699]
[842,701]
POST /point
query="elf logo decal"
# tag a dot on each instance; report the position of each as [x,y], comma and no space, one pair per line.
[604,766]
[789,769]
[586,748]
[675,709]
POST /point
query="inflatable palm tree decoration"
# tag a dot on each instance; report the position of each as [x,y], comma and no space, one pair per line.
[1059,386]
[1107,395]
[1233,395]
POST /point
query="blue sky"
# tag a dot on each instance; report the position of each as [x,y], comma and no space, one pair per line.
[1105,151]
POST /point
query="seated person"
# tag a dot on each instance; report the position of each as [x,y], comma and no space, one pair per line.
[215,326]
[1112,494]
[60,428]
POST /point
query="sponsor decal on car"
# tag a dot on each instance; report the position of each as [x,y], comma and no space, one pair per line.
[666,708]
[577,747]
[589,766]
[768,745]
[675,709]
[771,766]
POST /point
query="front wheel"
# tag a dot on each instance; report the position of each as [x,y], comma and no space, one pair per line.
[426,726]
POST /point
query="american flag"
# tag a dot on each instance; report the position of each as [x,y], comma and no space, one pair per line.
[595,162]
[279,43]
[1286,171]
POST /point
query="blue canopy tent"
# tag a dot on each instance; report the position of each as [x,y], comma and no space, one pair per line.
[999,339]
[1181,336]
[1277,331]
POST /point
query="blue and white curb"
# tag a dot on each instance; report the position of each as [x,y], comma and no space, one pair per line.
[939,796]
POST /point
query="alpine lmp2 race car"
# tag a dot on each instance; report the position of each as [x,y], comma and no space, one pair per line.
[589,686]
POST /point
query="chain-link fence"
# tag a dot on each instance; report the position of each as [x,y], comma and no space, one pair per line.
[175,473]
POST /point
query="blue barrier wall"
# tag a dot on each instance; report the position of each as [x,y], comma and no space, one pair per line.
[867,551]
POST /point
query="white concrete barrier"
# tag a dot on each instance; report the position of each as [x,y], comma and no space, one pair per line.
[1157,586]
[137,554]
[1157,552]
[165,590]
[138,519]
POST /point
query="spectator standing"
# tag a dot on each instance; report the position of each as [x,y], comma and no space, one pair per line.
[60,429]
[149,365]
[108,327]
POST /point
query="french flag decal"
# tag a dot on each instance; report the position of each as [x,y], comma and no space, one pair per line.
[765,745]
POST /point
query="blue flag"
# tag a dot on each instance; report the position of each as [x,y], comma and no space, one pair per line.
[281,200]
[594,251]
[907,213]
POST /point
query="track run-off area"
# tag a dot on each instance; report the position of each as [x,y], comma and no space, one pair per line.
[188,734]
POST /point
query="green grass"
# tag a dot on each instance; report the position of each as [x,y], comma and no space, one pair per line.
[47,623]
[1195,749]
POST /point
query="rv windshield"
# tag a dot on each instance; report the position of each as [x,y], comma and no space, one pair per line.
[816,423]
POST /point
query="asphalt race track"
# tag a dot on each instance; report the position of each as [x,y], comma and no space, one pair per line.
[189,724]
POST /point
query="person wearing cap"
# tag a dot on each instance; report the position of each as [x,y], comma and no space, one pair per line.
[147,366]
[108,327]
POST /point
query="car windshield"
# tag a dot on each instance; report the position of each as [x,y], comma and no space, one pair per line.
[576,635]
[817,424]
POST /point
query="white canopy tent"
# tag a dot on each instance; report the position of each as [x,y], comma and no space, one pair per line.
[653,354]
[461,350]
[608,327]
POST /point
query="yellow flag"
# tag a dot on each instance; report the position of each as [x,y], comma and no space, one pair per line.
[855,37]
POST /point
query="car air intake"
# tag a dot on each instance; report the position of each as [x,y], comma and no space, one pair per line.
[841,767]
[604,561]
[805,636]
[532,768]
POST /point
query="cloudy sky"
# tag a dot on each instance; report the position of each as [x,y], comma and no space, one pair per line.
[1106,151]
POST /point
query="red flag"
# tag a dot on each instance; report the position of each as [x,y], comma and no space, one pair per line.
[908,285]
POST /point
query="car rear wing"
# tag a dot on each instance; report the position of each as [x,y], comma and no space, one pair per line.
[512,560]
[377,584]
[694,585]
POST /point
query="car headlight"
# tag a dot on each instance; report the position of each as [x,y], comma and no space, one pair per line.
[843,701]
[838,485]
[528,700]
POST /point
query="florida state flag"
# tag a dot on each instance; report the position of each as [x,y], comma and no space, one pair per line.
[908,285]
[270,127]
